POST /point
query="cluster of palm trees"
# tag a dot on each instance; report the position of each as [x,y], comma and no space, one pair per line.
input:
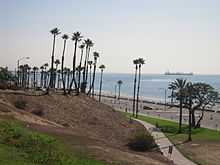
[192,96]
[80,78]
[138,64]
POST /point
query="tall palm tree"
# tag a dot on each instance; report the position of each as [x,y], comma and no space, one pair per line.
[54,32]
[141,62]
[102,67]
[96,56]
[179,86]
[119,82]
[80,67]
[88,43]
[135,62]
[65,38]
[76,38]
[90,73]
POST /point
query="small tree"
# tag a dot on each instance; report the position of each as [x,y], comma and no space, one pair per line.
[102,67]
[119,82]
[198,96]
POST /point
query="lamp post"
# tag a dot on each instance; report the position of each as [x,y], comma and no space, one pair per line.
[18,63]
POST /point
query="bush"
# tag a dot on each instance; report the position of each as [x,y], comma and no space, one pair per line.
[20,103]
[38,112]
[142,142]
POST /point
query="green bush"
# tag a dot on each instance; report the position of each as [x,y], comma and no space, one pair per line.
[142,141]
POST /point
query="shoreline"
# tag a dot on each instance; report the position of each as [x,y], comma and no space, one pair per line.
[145,100]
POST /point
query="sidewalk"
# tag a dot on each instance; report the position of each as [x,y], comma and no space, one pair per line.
[164,143]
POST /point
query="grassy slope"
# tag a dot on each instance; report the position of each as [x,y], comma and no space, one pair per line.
[20,146]
[202,136]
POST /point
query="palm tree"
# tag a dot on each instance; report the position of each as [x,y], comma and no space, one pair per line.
[80,67]
[45,74]
[35,77]
[179,86]
[135,62]
[88,44]
[54,32]
[65,37]
[41,75]
[119,82]
[28,76]
[76,38]
[96,56]
[90,73]
[141,62]
[102,67]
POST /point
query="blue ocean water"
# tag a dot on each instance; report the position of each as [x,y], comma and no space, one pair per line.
[152,85]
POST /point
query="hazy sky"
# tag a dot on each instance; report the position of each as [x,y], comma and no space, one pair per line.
[179,35]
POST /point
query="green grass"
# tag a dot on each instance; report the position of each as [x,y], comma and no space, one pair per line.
[20,146]
[170,129]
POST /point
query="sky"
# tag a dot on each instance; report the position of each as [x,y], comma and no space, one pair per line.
[174,35]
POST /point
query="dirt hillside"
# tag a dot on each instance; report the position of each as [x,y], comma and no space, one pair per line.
[103,131]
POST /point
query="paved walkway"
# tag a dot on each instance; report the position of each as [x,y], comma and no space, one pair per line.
[164,143]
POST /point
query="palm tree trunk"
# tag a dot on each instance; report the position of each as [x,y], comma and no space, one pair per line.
[74,70]
[93,80]
[62,65]
[41,78]
[28,78]
[180,116]
[68,80]
[193,118]
[119,91]
[79,75]
[138,90]
[87,67]
[190,125]
[134,95]
[52,62]
[100,88]
[84,83]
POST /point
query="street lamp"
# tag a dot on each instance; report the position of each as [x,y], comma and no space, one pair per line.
[23,58]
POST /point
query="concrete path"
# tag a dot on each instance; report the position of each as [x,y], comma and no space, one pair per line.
[164,143]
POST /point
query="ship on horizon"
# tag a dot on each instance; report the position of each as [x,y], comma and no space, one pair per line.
[179,73]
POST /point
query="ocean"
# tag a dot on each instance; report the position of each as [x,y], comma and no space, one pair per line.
[153,86]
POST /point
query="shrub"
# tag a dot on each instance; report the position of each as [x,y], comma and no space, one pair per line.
[142,141]
[20,103]
[38,112]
